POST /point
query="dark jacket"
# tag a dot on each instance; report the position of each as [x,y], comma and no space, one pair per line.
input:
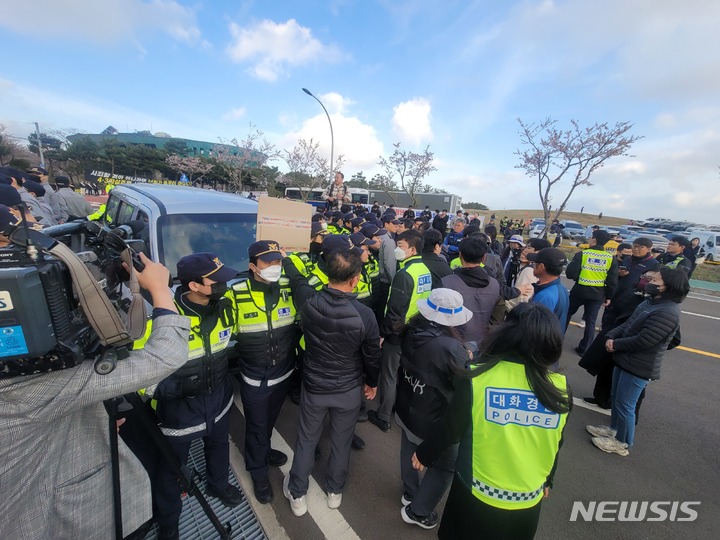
[675,261]
[625,299]
[480,294]
[425,380]
[440,223]
[342,342]
[641,341]
[439,268]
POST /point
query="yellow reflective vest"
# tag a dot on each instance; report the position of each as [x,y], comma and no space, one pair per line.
[594,268]
[264,335]
[515,439]
[422,282]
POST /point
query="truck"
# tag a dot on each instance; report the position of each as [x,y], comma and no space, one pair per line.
[401,200]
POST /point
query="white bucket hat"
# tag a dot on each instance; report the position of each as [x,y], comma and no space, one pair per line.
[517,238]
[445,307]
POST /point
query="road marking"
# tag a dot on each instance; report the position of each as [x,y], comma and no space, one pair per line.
[331,522]
[704,297]
[580,403]
[700,315]
[697,351]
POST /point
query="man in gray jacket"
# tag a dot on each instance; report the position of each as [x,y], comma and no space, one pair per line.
[55,467]
[72,204]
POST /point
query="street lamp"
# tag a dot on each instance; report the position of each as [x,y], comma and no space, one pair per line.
[332,137]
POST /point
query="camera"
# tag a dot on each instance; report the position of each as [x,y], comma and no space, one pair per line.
[45,294]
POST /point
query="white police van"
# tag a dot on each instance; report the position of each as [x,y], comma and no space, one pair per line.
[175,221]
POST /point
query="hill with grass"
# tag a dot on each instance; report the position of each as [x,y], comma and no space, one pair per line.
[584,218]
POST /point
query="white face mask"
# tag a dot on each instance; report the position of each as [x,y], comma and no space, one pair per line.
[400,254]
[324,226]
[271,273]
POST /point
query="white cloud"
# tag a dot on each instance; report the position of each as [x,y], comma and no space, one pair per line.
[358,142]
[273,47]
[236,113]
[335,103]
[101,21]
[411,121]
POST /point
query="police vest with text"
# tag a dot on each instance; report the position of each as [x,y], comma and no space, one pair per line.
[422,282]
[515,439]
[594,267]
[207,364]
[266,335]
[302,261]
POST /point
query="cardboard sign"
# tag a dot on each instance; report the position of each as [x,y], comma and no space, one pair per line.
[286,222]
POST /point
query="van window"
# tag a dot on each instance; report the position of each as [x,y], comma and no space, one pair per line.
[227,235]
[111,210]
[125,213]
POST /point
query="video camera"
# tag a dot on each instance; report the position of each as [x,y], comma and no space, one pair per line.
[50,309]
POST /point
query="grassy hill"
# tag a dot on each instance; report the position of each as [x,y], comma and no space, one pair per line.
[585,218]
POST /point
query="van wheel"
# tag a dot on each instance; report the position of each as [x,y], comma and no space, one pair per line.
[709,257]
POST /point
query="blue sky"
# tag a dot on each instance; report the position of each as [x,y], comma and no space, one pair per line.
[453,74]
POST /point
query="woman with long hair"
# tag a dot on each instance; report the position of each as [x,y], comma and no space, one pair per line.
[638,347]
[508,413]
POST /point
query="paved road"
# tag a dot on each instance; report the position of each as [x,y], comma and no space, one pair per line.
[675,457]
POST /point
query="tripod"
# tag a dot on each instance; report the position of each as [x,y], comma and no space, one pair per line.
[186,477]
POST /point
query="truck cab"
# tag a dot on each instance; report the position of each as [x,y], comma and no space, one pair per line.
[174,221]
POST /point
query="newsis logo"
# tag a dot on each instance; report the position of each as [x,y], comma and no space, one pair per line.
[634,511]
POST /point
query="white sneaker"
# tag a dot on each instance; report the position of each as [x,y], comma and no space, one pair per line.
[405,499]
[299,505]
[611,445]
[334,500]
[601,431]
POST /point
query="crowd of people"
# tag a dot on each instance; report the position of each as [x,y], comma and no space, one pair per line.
[36,200]
[454,334]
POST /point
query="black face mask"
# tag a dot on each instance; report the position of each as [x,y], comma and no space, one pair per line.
[217,291]
[652,289]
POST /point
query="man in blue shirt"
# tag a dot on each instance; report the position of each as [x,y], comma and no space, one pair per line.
[548,264]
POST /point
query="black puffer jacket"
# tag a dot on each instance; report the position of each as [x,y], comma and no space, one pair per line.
[425,379]
[342,341]
[641,341]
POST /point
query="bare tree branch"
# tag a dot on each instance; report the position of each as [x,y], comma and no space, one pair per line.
[551,154]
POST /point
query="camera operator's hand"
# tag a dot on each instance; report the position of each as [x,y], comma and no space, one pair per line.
[155,279]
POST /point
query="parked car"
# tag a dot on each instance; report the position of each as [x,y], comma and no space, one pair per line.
[586,234]
[627,230]
[651,221]
[682,226]
[571,228]
[536,231]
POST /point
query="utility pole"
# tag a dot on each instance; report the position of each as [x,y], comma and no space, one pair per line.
[40,150]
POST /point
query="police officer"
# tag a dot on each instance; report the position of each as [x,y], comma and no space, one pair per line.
[267,334]
[411,283]
[195,401]
[364,287]
[595,272]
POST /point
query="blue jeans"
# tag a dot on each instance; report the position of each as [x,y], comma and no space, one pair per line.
[626,390]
